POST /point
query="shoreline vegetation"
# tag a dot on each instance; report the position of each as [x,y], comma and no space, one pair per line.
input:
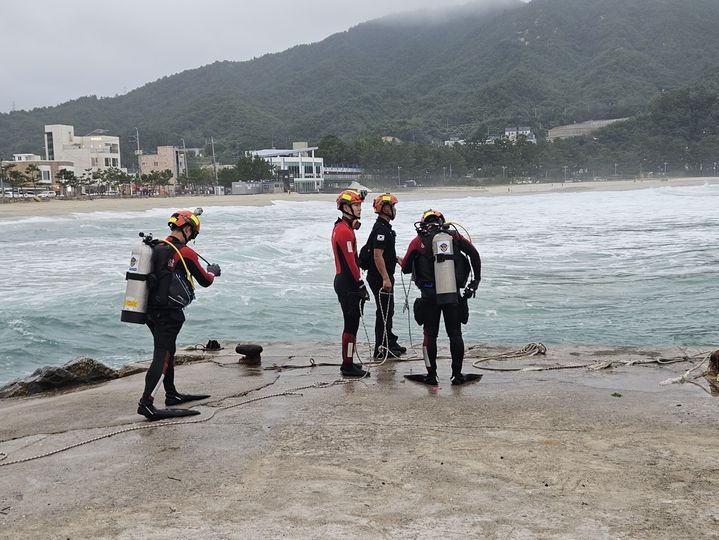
[70,206]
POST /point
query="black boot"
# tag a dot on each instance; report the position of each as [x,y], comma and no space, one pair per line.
[146,409]
[353,370]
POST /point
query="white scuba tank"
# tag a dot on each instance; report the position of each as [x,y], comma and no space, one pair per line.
[134,305]
[444,275]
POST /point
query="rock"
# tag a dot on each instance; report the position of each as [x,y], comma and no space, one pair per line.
[75,372]
[130,369]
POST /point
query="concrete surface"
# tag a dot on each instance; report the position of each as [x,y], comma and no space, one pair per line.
[537,454]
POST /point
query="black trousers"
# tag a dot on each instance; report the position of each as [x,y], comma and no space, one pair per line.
[165,325]
[385,308]
[431,314]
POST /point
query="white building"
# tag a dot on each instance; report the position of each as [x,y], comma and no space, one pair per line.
[512,133]
[306,170]
[455,140]
[94,151]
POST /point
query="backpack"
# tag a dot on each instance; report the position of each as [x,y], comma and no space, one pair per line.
[166,288]
[365,256]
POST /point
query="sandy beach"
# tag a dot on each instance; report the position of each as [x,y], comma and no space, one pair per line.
[561,453]
[60,207]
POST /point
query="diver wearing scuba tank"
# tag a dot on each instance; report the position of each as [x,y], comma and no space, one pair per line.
[351,290]
[176,267]
[440,269]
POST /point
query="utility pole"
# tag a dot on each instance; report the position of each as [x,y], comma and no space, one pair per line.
[214,162]
[2,181]
[138,153]
[399,183]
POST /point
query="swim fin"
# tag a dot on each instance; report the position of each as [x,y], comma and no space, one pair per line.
[176,399]
[151,413]
[430,380]
[469,378]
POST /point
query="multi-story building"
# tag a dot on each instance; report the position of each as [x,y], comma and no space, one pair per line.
[300,163]
[92,152]
[167,158]
[512,133]
[46,175]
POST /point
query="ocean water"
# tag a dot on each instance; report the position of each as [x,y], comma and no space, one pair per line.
[615,268]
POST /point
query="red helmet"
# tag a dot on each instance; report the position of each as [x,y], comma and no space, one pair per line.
[381,200]
[184,217]
[432,216]
[349,196]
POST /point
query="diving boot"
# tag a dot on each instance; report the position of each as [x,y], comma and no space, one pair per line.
[397,349]
[177,398]
[353,370]
[146,409]
[460,378]
[430,379]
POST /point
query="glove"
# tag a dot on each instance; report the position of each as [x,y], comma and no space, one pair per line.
[363,292]
[471,289]
[214,269]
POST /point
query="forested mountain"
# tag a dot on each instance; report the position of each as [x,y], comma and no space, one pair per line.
[541,64]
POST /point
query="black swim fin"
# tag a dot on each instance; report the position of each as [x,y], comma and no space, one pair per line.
[430,380]
[152,414]
[469,378]
[176,399]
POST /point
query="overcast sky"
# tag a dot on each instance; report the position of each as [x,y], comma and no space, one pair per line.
[57,50]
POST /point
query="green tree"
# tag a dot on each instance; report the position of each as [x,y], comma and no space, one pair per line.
[33,172]
[17,179]
[67,178]
[251,167]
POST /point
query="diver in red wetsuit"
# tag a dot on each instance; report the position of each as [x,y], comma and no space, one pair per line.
[351,290]
[175,268]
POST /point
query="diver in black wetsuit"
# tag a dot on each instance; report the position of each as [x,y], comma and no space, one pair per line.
[419,260]
[175,268]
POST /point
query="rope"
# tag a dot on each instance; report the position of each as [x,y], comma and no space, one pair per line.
[137,427]
[531,349]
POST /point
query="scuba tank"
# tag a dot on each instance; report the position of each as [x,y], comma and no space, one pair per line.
[134,305]
[444,274]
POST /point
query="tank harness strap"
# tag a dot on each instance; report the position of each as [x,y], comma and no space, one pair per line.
[182,259]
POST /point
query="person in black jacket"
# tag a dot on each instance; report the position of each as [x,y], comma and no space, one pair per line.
[380,275]
[430,307]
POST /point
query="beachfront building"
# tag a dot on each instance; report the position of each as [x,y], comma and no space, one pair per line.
[579,129]
[92,152]
[45,177]
[299,163]
[340,176]
[169,158]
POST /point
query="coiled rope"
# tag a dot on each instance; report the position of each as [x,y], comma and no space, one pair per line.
[137,427]
[531,349]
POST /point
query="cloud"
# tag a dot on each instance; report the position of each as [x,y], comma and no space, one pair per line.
[56,51]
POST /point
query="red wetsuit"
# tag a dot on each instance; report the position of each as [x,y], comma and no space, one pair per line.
[347,284]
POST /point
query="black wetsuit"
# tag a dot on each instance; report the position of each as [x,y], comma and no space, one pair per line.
[420,262]
[164,315]
[383,237]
